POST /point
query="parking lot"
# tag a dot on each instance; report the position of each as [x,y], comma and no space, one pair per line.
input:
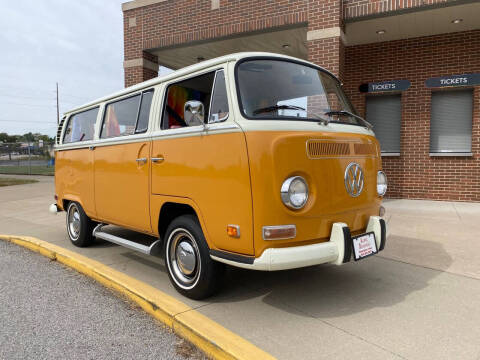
[418,299]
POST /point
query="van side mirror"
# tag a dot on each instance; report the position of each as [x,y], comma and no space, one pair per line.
[194,113]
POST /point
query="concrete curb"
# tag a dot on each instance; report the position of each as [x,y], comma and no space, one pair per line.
[213,339]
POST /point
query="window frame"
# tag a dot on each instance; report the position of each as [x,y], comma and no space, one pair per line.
[211,98]
[152,90]
[106,104]
[67,123]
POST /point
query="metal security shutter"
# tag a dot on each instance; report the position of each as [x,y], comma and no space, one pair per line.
[451,122]
[385,114]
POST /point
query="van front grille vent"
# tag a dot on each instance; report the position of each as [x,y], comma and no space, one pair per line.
[365,149]
[319,148]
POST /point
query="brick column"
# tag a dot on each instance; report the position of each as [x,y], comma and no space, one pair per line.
[140,69]
[139,65]
[325,35]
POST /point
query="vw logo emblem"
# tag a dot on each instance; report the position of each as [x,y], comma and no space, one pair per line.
[354,179]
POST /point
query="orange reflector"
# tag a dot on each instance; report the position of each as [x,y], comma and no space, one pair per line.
[233,230]
[279,232]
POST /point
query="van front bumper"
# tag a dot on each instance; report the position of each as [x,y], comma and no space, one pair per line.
[337,250]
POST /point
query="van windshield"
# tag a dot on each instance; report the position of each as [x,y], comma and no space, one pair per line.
[285,90]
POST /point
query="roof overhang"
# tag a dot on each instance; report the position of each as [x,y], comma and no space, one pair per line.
[290,41]
[413,24]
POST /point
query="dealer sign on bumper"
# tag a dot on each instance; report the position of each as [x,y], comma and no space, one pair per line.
[364,245]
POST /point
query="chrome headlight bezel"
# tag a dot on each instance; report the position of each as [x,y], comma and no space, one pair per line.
[286,193]
[385,184]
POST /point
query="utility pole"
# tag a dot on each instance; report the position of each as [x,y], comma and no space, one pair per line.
[58,110]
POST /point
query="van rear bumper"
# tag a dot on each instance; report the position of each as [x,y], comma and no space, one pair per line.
[337,250]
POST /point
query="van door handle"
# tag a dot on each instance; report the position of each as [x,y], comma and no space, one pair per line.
[157,159]
[141,161]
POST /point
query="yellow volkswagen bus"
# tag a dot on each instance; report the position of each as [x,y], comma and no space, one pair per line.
[254,160]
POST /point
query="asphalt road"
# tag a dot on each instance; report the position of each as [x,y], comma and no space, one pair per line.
[48,311]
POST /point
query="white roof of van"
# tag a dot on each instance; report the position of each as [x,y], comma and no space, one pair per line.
[185,71]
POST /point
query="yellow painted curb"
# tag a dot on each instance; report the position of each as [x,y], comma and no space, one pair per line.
[212,338]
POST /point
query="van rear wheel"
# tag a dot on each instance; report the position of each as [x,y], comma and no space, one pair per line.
[187,259]
[79,225]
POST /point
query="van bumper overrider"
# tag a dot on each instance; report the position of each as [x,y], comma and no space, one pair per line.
[53,209]
[336,251]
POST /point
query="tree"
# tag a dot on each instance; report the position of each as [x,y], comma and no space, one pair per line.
[28,137]
[5,138]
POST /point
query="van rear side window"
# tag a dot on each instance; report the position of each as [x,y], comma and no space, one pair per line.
[127,116]
[81,126]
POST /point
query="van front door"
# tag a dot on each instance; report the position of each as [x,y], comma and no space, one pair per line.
[209,167]
[122,165]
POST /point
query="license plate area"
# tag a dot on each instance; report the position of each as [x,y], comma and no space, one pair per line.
[364,245]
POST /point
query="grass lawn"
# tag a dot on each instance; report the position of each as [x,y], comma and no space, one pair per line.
[13,181]
[23,170]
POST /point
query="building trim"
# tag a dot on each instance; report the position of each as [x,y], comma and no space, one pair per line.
[441,154]
[327,33]
[135,4]
[140,62]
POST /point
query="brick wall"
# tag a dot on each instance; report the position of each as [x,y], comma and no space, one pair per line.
[182,21]
[329,52]
[176,22]
[415,174]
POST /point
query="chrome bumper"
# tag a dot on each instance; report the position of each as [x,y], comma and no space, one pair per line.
[336,251]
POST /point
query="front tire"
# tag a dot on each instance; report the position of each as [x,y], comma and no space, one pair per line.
[187,258]
[79,225]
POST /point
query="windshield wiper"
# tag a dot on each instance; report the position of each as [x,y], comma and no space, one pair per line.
[345,112]
[277,107]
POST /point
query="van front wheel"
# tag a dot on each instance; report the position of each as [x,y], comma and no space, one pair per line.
[79,225]
[187,258]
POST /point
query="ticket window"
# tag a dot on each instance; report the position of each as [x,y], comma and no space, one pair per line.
[451,122]
[384,112]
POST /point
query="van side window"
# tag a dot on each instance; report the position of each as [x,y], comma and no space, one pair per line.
[81,126]
[198,88]
[219,108]
[127,116]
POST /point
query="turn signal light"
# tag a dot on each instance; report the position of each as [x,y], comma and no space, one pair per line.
[233,231]
[279,232]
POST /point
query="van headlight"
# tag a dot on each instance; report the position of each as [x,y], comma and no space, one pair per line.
[294,192]
[381,183]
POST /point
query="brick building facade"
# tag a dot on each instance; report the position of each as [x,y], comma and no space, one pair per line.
[363,42]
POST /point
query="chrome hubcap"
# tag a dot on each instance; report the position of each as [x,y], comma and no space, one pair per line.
[183,258]
[73,220]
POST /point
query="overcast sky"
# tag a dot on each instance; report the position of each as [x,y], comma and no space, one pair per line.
[77,43]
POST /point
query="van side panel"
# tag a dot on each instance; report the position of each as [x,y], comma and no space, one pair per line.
[74,178]
[122,185]
[212,171]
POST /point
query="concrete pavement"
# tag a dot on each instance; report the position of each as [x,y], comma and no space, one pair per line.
[419,299]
